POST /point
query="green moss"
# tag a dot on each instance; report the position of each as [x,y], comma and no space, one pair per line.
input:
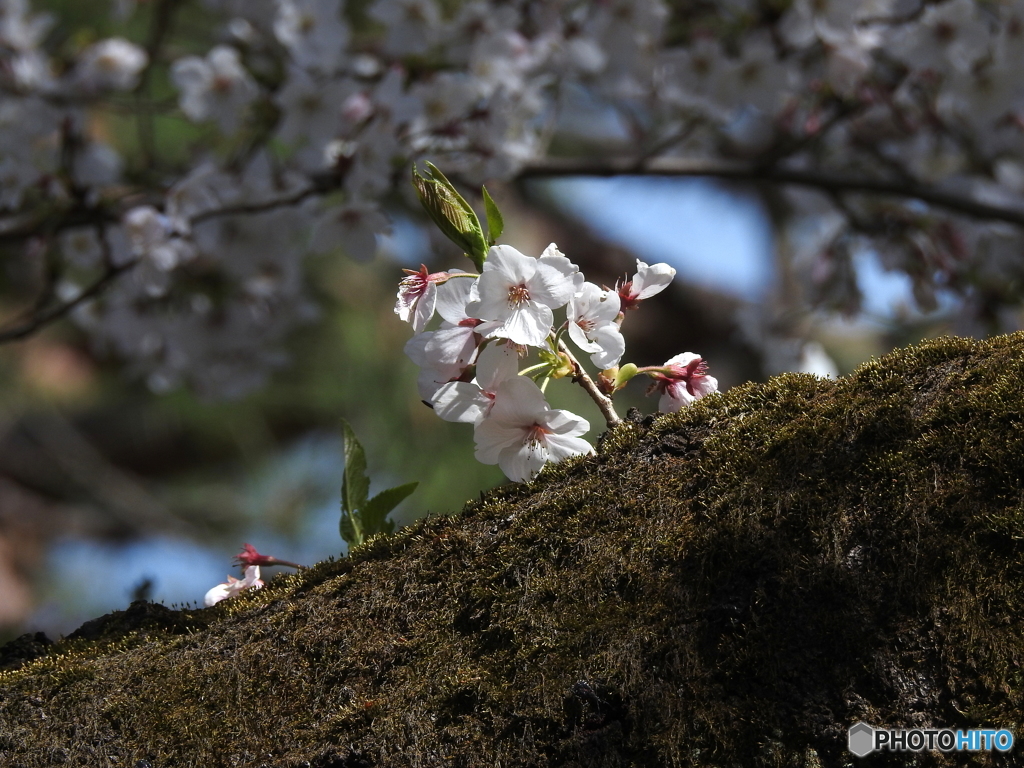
[731,585]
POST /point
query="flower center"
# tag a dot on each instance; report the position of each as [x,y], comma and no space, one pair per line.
[535,437]
[517,295]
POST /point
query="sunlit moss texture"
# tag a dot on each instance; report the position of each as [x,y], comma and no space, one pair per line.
[732,585]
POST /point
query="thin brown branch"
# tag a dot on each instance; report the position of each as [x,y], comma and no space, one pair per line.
[39,319]
[740,171]
[604,403]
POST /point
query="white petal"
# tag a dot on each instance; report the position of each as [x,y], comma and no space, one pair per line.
[452,297]
[704,385]
[553,257]
[522,463]
[423,308]
[529,324]
[450,347]
[215,595]
[651,280]
[582,304]
[683,359]
[428,381]
[578,335]
[550,287]
[495,364]
[612,346]
[415,347]
[675,397]
[516,267]
[520,402]
[566,423]
[606,309]
[492,437]
[461,401]
[563,446]
[492,289]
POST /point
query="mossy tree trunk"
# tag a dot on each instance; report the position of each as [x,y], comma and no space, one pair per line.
[732,585]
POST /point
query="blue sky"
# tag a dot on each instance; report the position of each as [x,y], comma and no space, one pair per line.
[712,237]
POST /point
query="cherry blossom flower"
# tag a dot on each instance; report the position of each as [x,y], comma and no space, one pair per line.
[520,292]
[234,586]
[648,281]
[313,32]
[591,315]
[417,296]
[152,241]
[217,87]
[472,401]
[113,63]
[682,380]
[949,36]
[411,24]
[522,433]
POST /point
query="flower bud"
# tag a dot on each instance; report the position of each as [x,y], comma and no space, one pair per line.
[624,374]
[452,214]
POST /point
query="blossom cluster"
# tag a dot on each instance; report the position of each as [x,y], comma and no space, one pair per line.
[470,365]
[314,109]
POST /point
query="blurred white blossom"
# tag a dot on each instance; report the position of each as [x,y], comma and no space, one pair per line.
[216,87]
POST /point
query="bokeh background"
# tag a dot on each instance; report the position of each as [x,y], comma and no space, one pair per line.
[110,491]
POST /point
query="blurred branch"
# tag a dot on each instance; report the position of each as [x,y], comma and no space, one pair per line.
[321,184]
[122,496]
[159,28]
[19,227]
[38,319]
[743,171]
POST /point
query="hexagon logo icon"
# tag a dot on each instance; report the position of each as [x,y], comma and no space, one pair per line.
[860,739]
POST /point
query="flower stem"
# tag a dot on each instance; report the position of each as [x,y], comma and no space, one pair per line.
[604,403]
[536,367]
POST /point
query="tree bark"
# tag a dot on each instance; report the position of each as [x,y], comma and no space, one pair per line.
[735,584]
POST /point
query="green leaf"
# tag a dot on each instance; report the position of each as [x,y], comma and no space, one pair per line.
[355,485]
[451,213]
[495,222]
[349,533]
[361,519]
[374,515]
